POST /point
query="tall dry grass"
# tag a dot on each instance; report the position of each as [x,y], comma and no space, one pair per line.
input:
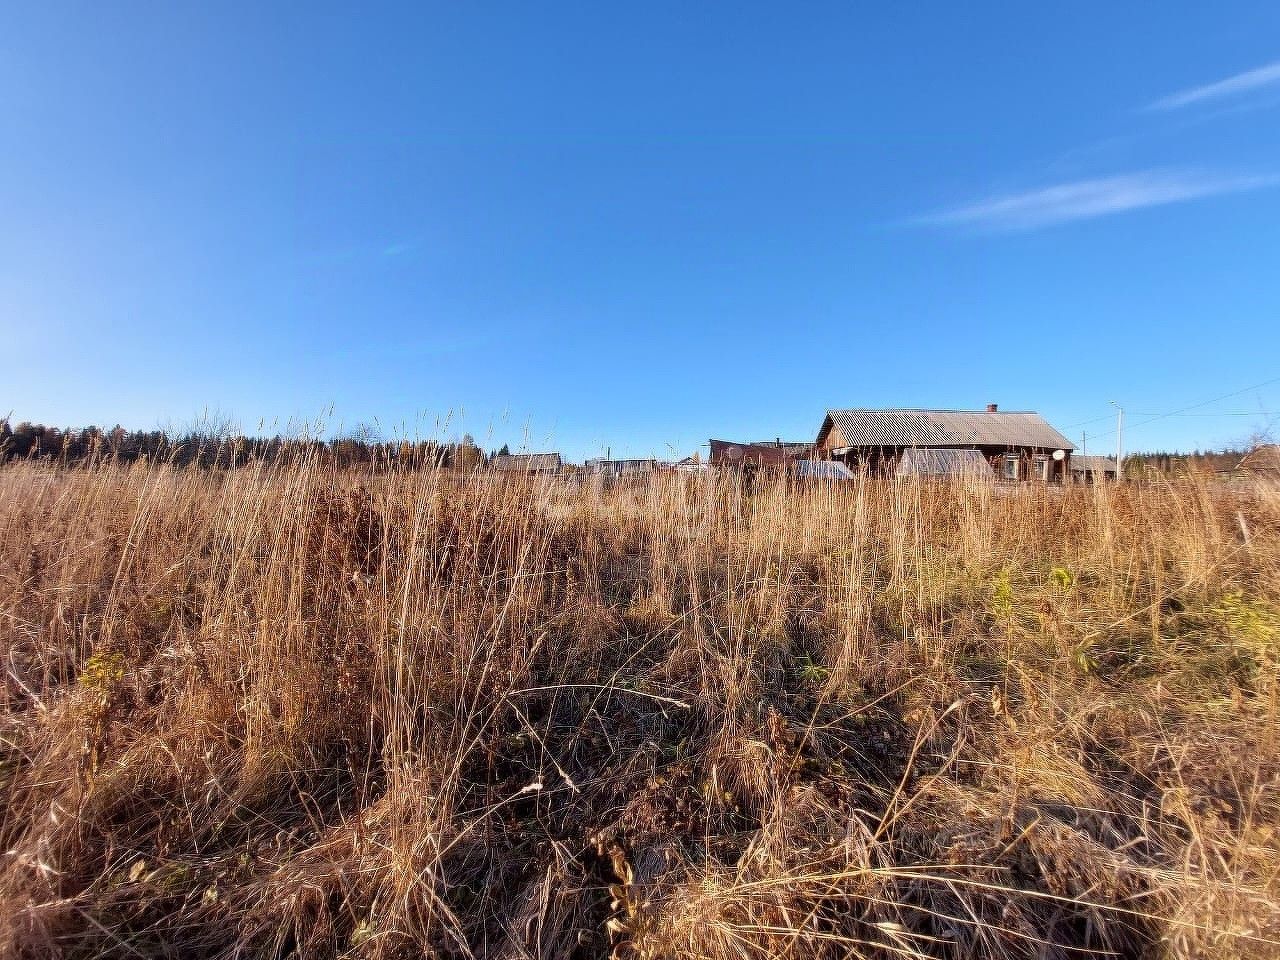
[293,711]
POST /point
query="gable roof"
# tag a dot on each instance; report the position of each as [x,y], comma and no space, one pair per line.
[525,461]
[944,428]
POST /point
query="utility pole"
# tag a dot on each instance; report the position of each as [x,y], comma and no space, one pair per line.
[1119,439]
[1084,444]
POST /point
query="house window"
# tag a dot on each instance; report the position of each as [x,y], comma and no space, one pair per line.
[1042,468]
[1011,467]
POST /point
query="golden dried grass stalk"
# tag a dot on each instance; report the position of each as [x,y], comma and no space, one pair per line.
[302,711]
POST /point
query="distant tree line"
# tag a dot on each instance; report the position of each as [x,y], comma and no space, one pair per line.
[221,444]
[1175,464]
[224,448]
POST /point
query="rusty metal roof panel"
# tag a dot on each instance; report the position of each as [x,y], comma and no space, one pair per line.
[946,428]
[739,454]
[791,446]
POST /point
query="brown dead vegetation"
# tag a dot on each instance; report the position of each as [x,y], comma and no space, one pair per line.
[289,710]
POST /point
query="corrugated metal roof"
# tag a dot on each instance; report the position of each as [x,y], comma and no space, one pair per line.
[946,428]
[944,462]
[521,462]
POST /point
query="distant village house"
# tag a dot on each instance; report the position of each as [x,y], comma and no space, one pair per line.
[1012,445]
[615,469]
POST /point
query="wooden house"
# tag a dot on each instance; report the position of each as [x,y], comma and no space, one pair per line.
[1017,445]
[616,469]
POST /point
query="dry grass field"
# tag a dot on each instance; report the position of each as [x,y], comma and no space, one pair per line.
[299,711]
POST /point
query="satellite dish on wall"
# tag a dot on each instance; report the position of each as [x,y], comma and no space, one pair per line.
[1059,454]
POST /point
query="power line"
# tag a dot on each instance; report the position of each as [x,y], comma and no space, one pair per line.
[1085,423]
[1194,406]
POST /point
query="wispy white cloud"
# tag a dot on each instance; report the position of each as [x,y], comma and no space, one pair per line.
[1247,82]
[1087,199]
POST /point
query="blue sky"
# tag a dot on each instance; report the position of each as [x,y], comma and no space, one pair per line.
[639,226]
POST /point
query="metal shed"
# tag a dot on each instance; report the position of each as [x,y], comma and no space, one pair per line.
[821,470]
[944,462]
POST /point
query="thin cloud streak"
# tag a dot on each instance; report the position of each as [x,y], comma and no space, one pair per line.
[1088,199]
[1246,82]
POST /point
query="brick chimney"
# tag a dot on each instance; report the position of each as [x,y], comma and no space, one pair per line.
[992,408]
